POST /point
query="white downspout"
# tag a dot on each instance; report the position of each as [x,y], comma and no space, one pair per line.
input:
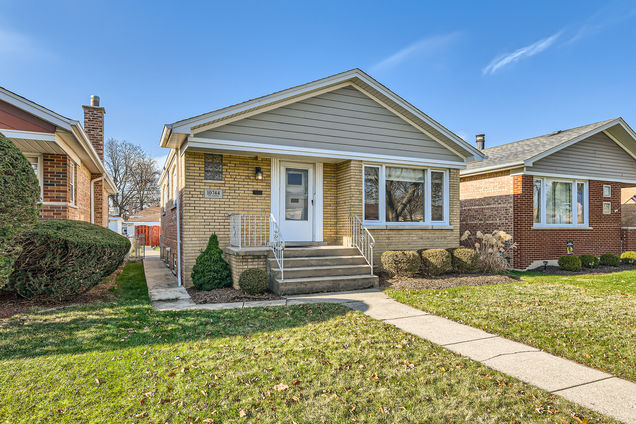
[179,282]
[93,197]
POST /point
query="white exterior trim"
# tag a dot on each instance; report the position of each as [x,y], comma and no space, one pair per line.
[40,159]
[29,135]
[274,149]
[35,109]
[318,204]
[573,205]
[275,190]
[488,169]
[574,177]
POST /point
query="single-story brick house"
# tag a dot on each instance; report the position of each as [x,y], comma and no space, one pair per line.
[67,158]
[548,191]
[313,181]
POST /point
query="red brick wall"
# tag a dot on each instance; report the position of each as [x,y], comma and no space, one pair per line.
[169,234]
[55,182]
[486,203]
[549,244]
[94,127]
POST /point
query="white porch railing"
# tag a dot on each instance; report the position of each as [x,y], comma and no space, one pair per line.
[249,230]
[359,236]
[277,243]
[258,230]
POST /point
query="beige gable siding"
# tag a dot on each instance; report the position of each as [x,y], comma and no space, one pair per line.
[342,120]
[596,157]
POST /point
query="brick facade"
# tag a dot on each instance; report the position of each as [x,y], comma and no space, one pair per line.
[94,127]
[342,194]
[498,201]
[239,263]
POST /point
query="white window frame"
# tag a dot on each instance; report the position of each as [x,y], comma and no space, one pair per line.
[542,205]
[39,159]
[607,190]
[427,197]
[72,190]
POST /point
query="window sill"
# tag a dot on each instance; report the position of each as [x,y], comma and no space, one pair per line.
[560,227]
[409,226]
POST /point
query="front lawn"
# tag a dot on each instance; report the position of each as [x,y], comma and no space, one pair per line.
[587,318]
[125,362]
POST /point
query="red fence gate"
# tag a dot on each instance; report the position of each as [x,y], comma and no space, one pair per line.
[151,233]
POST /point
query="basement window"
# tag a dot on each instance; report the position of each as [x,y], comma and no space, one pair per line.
[560,203]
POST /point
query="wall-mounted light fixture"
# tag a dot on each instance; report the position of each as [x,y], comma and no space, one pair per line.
[259,173]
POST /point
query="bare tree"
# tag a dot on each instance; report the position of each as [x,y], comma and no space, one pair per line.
[135,175]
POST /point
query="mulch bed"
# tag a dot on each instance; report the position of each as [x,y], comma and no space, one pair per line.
[419,282]
[555,270]
[227,295]
[12,304]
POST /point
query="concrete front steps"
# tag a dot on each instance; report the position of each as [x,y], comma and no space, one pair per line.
[321,269]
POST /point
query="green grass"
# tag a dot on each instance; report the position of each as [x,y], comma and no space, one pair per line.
[125,362]
[590,319]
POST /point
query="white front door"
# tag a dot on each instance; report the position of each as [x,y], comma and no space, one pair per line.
[297,201]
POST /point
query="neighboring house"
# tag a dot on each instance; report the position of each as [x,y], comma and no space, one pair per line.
[302,166]
[67,158]
[146,222]
[554,189]
[116,224]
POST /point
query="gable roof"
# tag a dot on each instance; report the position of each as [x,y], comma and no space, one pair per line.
[174,134]
[66,124]
[526,152]
[150,214]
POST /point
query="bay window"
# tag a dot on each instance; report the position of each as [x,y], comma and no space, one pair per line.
[559,203]
[400,195]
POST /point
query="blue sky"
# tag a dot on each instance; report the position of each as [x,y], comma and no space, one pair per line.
[508,69]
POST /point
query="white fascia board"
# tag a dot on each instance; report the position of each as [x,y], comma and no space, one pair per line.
[35,109]
[487,169]
[29,135]
[575,177]
[272,149]
[532,160]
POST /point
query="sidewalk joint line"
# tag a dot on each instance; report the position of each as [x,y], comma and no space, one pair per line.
[583,384]
[468,341]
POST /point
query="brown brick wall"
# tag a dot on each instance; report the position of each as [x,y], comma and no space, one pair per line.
[94,127]
[549,244]
[82,211]
[486,203]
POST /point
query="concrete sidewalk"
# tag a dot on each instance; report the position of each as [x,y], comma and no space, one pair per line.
[591,388]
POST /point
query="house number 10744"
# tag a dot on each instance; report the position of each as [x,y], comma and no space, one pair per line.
[212,193]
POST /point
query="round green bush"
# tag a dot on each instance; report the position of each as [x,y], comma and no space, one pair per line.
[628,258]
[210,270]
[401,262]
[610,259]
[436,261]
[589,261]
[464,260]
[18,206]
[570,263]
[254,281]
[65,258]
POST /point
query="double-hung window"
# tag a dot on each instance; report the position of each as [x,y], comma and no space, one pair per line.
[403,195]
[560,203]
[36,164]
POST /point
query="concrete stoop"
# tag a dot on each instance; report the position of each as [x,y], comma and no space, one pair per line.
[315,269]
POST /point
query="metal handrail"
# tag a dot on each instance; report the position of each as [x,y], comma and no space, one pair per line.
[277,244]
[360,238]
[248,230]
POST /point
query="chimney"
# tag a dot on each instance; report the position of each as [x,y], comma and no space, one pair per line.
[94,125]
[480,140]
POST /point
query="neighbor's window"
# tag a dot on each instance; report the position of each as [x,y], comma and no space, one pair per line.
[71,187]
[405,195]
[607,190]
[212,167]
[565,202]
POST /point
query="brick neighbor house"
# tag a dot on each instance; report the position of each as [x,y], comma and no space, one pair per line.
[548,191]
[312,183]
[67,158]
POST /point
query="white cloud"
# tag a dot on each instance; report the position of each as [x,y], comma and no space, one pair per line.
[528,51]
[606,17]
[424,46]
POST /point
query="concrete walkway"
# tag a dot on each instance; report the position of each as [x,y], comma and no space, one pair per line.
[591,388]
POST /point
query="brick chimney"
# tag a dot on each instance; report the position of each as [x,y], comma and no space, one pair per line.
[94,125]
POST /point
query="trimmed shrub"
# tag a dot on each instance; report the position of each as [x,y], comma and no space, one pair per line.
[19,206]
[254,281]
[65,258]
[570,263]
[435,261]
[589,261]
[464,260]
[401,262]
[628,258]
[609,259]
[210,270]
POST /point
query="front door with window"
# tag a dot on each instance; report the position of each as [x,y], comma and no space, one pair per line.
[297,201]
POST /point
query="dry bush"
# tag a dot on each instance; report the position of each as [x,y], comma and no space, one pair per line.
[492,249]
